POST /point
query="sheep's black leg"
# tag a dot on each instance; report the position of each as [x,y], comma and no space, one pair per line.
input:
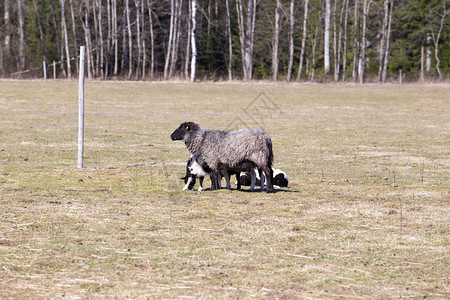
[200,179]
[191,185]
[261,179]
[269,178]
[214,180]
[238,179]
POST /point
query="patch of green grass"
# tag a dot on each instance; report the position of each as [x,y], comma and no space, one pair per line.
[366,214]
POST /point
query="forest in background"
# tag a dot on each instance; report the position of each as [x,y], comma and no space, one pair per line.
[307,40]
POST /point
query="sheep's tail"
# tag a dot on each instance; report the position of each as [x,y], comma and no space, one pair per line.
[270,154]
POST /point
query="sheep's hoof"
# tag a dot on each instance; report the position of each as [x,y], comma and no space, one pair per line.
[270,190]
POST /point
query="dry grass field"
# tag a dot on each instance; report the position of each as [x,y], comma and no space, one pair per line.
[367,214]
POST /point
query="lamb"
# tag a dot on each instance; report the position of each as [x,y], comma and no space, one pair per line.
[280,179]
[194,170]
[221,150]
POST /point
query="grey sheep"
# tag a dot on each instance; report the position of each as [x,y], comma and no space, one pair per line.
[221,151]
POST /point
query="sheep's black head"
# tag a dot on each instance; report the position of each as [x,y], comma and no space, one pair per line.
[184,129]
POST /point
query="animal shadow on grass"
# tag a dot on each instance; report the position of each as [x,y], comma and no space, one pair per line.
[275,190]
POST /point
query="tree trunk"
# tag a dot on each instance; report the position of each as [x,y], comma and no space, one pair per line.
[66,38]
[388,39]
[108,39]
[97,59]
[188,42]
[143,35]
[291,40]
[313,68]
[251,15]
[7,43]
[355,41]
[240,18]
[428,60]
[344,55]
[362,57]
[21,29]
[422,77]
[87,38]
[115,36]
[327,36]
[130,41]
[125,54]
[436,40]
[74,31]
[302,51]
[58,42]
[41,30]
[100,32]
[176,37]
[169,44]
[339,51]
[152,39]
[230,44]
[335,54]
[194,47]
[382,47]
[275,42]
[137,4]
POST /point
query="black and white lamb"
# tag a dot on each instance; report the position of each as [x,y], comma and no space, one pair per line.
[280,179]
[193,171]
[221,150]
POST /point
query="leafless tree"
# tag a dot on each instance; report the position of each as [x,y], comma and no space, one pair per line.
[115,36]
[362,57]
[194,46]
[344,54]
[21,29]
[436,37]
[230,43]
[100,33]
[66,38]
[7,29]
[87,37]
[152,38]
[137,4]
[291,40]
[276,40]
[246,36]
[302,51]
[355,40]
[169,44]
[313,63]
[327,36]
[130,41]
[74,31]
[387,43]
[41,30]
[58,42]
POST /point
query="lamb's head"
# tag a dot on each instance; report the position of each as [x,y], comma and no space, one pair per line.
[184,131]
